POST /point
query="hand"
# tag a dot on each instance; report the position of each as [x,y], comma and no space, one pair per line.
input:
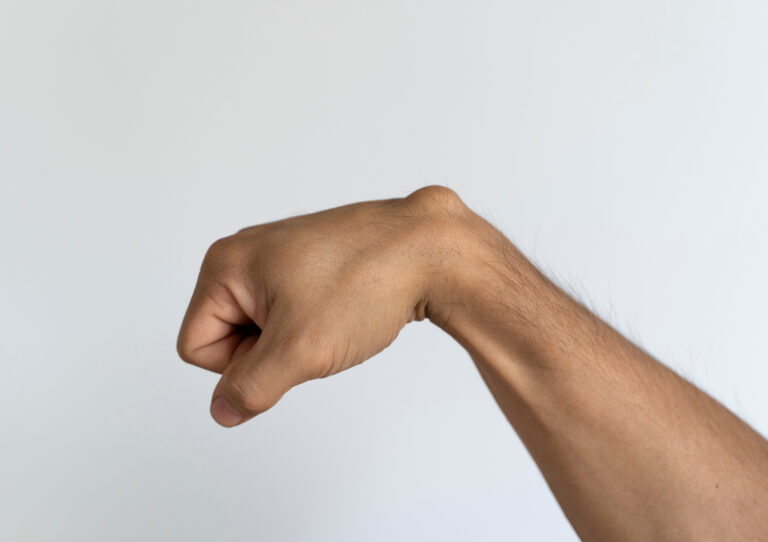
[289,301]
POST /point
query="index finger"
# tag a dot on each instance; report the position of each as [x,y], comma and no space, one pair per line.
[214,328]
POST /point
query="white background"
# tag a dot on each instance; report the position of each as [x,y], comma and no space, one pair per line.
[622,145]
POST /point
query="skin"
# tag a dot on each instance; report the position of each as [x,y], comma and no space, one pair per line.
[631,450]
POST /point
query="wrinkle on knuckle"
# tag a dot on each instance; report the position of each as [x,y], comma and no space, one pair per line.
[242,395]
[302,353]
[315,367]
[294,350]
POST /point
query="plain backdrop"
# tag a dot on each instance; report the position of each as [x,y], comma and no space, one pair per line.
[622,145]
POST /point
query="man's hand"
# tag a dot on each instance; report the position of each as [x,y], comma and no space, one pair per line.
[630,450]
[289,301]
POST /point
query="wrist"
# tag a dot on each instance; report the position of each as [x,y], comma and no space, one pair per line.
[486,294]
[480,279]
[465,261]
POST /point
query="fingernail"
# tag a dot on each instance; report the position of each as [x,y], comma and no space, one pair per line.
[224,414]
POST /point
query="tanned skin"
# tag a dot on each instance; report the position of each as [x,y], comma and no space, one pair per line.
[631,450]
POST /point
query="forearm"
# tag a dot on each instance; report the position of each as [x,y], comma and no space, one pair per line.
[630,449]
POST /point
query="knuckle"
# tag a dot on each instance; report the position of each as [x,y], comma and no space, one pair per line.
[315,367]
[292,352]
[299,345]
[222,253]
[244,397]
[219,248]
[308,353]
[184,350]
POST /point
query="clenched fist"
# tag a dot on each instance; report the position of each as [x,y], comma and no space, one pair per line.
[289,301]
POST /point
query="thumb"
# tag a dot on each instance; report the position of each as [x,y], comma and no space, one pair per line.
[258,378]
